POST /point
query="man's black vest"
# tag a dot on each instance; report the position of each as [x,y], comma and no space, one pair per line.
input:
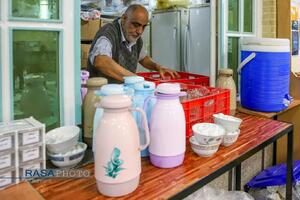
[120,53]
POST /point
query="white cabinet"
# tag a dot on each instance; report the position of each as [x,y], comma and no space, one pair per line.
[181,39]
[165,38]
[197,41]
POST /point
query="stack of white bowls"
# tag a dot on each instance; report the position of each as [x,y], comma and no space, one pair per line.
[207,138]
[231,125]
[63,148]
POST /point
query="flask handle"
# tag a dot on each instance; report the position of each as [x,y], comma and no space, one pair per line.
[145,127]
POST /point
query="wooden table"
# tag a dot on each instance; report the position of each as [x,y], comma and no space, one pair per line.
[274,115]
[177,183]
[271,115]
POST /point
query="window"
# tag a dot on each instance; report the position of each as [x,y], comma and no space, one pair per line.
[238,20]
[35,9]
[36,76]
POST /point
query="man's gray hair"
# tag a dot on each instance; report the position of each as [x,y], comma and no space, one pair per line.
[134,7]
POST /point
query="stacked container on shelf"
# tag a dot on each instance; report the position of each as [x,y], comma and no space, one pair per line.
[22,147]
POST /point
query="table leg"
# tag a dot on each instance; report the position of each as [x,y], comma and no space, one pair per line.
[274,162]
[289,166]
[274,153]
[238,171]
[263,159]
[230,180]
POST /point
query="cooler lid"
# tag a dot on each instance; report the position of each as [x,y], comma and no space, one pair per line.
[265,44]
[115,101]
[144,86]
[96,82]
[168,88]
[133,79]
[265,41]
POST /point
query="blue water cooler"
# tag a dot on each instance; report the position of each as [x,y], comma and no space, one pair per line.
[265,74]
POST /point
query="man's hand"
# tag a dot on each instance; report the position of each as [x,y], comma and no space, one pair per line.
[163,70]
[148,63]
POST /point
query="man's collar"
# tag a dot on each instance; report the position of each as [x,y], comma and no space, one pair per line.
[123,39]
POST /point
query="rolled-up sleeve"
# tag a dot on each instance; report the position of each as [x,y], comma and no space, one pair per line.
[102,47]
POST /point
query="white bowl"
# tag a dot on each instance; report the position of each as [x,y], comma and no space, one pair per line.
[228,122]
[70,158]
[203,150]
[230,138]
[208,133]
[62,139]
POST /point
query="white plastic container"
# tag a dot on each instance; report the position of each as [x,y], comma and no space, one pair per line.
[30,137]
[30,152]
[7,159]
[7,141]
[31,165]
[7,177]
[21,142]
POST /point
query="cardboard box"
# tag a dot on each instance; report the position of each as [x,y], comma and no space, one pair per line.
[89,29]
[106,21]
[295,85]
[85,48]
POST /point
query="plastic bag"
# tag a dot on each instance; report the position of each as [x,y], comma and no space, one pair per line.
[274,193]
[274,176]
[164,4]
[209,193]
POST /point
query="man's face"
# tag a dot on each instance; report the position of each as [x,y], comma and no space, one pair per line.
[134,24]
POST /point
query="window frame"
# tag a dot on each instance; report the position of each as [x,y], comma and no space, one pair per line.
[1,80]
[225,33]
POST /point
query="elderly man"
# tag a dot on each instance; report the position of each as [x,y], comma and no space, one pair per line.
[118,47]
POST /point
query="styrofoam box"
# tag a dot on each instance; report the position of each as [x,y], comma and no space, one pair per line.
[30,137]
[31,152]
[7,141]
[7,177]
[34,164]
[7,159]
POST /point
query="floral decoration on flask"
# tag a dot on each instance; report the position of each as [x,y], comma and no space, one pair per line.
[113,167]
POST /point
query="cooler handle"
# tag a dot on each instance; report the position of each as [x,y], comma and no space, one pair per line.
[145,127]
[245,61]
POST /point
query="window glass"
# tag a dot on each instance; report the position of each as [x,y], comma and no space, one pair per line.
[248,15]
[233,56]
[233,15]
[36,76]
[38,9]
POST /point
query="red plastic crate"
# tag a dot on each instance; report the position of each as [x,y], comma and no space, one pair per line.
[187,78]
[202,109]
